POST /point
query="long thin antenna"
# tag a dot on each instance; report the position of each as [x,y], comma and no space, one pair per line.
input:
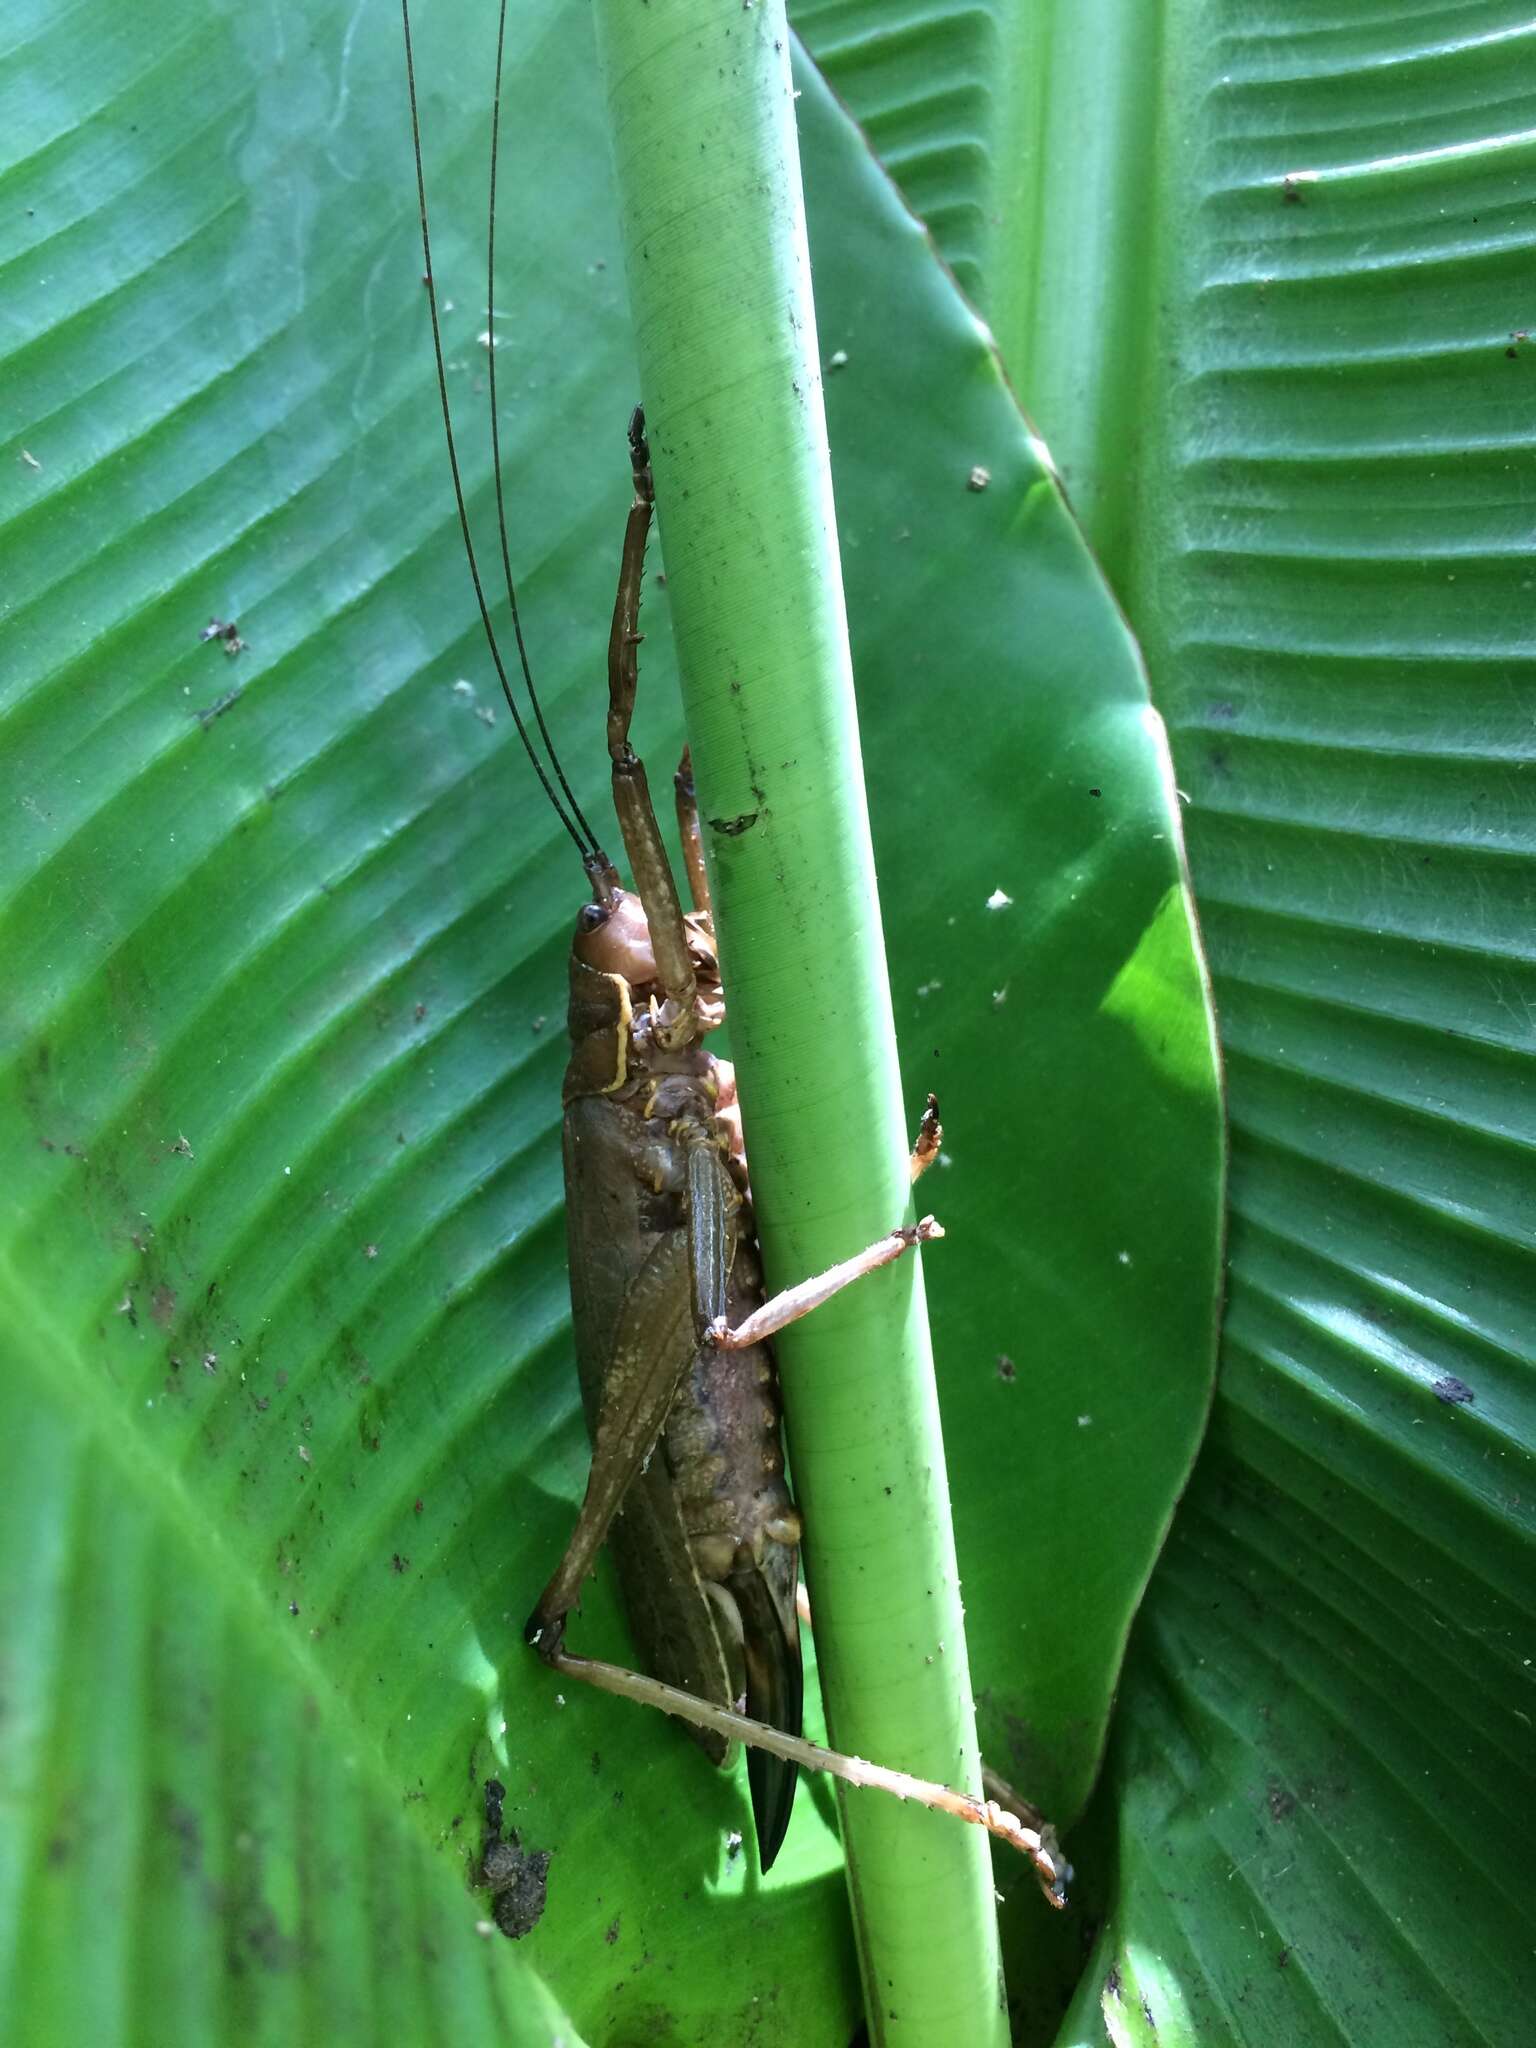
[501,503]
[453,452]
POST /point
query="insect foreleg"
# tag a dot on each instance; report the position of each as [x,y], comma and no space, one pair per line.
[631,795]
[795,1302]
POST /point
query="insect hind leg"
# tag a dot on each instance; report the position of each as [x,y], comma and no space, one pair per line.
[692,838]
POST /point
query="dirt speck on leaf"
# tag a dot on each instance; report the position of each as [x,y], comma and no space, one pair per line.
[516,1878]
[1453,1392]
[183,1823]
[227,633]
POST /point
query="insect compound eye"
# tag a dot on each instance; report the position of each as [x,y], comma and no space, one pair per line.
[593,917]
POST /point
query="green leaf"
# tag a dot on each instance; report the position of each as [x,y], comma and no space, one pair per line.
[193,1791]
[1044,981]
[1306,464]
[294,1425]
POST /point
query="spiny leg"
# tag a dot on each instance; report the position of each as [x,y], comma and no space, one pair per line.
[688,832]
[796,1302]
[997,1791]
[1037,1843]
[675,1303]
[993,1784]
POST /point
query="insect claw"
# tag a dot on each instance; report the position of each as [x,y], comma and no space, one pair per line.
[546,1637]
[930,1136]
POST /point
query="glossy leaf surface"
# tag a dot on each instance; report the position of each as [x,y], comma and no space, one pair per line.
[1288,374]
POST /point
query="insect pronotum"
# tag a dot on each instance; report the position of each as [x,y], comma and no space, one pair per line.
[671,1320]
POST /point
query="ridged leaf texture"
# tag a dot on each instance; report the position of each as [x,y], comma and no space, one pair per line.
[293,1436]
[1263,277]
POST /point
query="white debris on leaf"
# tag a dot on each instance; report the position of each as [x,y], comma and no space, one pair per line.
[999,900]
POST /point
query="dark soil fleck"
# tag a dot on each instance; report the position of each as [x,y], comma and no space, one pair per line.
[495,1799]
[183,1823]
[1453,1392]
[227,633]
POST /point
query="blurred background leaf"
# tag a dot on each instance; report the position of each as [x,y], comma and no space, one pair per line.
[1264,278]
[294,1428]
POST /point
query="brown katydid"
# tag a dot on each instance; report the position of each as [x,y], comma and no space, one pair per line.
[672,1328]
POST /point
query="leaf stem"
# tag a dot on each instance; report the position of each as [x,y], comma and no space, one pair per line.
[701,105]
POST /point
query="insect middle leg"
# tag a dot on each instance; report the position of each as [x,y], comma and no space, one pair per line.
[674,1306]
[795,1302]
[692,838]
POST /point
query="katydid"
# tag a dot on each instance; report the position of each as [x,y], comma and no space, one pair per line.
[671,1324]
